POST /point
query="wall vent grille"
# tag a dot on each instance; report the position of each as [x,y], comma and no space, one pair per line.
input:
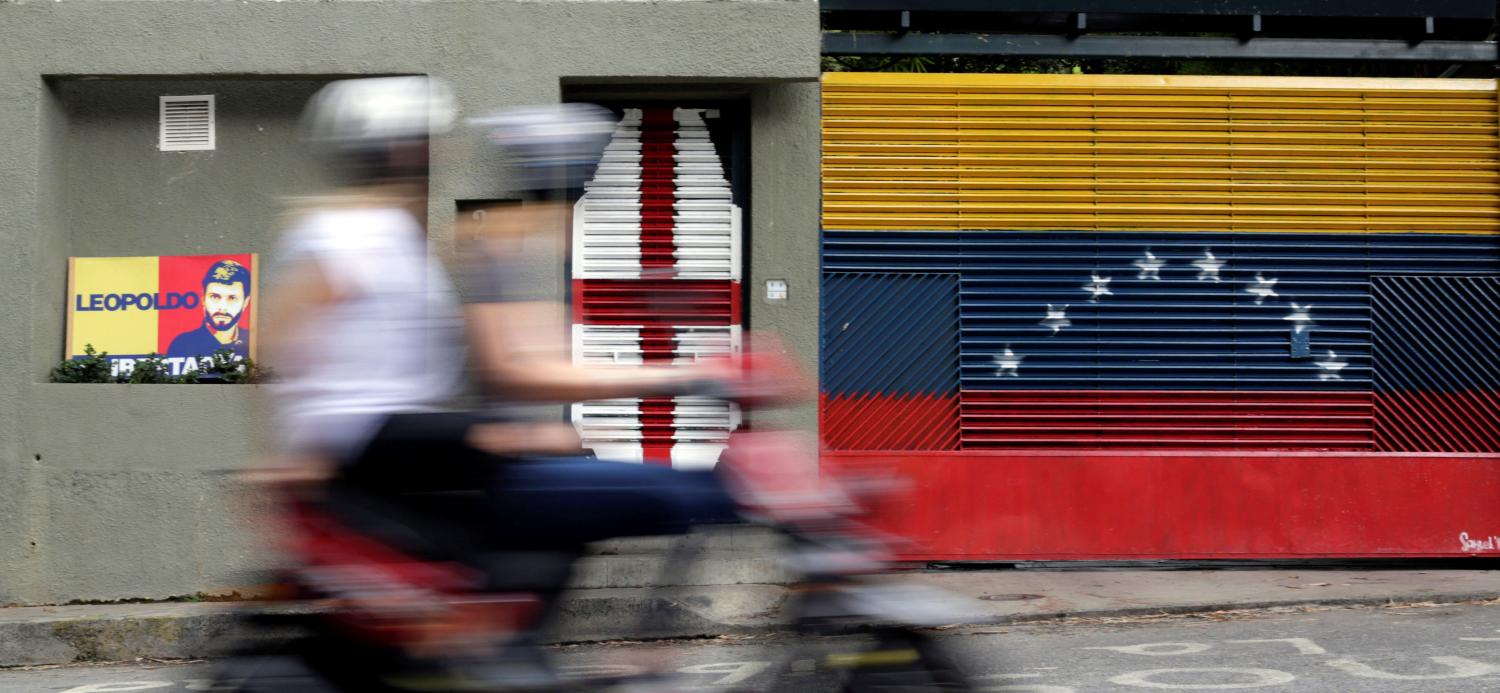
[186,124]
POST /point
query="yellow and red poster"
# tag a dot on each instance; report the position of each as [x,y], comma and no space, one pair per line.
[184,307]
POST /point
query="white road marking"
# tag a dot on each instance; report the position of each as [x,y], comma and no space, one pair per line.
[1262,678]
[118,686]
[1155,649]
[1303,645]
[1460,668]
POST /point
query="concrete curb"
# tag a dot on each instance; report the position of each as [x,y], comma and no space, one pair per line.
[1184,610]
[75,634]
[72,634]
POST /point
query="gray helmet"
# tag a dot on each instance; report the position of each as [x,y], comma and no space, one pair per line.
[354,122]
[554,147]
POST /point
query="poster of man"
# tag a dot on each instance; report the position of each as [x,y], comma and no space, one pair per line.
[226,294]
[185,307]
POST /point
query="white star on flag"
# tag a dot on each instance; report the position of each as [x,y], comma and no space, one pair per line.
[1097,286]
[1009,364]
[1300,316]
[1331,366]
[1057,318]
[1208,266]
[1150,266]
[1262,289]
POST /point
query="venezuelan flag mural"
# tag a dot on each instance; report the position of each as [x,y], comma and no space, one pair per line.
[183,307]
[1113,317]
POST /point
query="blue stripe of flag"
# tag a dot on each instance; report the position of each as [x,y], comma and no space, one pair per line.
[1163,310]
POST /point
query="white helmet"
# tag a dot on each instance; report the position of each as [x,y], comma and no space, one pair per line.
[553,147]
[354,122]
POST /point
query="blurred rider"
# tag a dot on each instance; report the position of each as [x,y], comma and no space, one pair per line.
[369,340]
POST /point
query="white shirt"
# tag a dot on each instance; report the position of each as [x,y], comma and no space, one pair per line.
[392,344]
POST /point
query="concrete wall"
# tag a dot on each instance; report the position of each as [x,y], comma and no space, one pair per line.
[106,491]
[119,196]
[785,245]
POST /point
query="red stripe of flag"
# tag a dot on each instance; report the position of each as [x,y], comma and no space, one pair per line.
[657,345]
[658,189]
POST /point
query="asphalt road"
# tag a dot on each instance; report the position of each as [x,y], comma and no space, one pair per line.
[1421,648]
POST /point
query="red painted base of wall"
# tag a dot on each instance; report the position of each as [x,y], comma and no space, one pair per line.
[1184,504]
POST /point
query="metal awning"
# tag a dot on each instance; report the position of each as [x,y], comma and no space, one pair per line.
[1111,46]
[1442,31]
[1471,9]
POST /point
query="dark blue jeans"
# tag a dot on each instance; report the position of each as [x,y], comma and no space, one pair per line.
[423,463]
[560,502]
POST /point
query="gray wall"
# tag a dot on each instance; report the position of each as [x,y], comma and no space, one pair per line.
[785,149]
[105,490]
[123,196]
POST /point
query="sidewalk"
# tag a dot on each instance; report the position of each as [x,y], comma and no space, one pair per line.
[64,634]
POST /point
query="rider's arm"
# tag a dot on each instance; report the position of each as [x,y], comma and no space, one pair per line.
[517,333]
[303,292]
[518,356]
[300,296]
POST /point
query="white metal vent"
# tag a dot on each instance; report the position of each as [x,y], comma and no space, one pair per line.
[659,209]
[621,344]
[706,223]
[614,429]
[186,123]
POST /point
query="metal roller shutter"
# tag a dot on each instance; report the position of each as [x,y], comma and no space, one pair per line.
[1158,262]
[1050,152]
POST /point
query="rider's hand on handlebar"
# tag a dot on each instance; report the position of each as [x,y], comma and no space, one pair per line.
[751,379]
[731,378]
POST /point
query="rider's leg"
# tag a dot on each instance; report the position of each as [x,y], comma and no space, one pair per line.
[573,501]
[424,463]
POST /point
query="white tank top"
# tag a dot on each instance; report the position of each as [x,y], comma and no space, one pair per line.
[394,344]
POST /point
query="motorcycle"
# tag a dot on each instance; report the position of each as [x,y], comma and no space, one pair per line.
[376,599]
